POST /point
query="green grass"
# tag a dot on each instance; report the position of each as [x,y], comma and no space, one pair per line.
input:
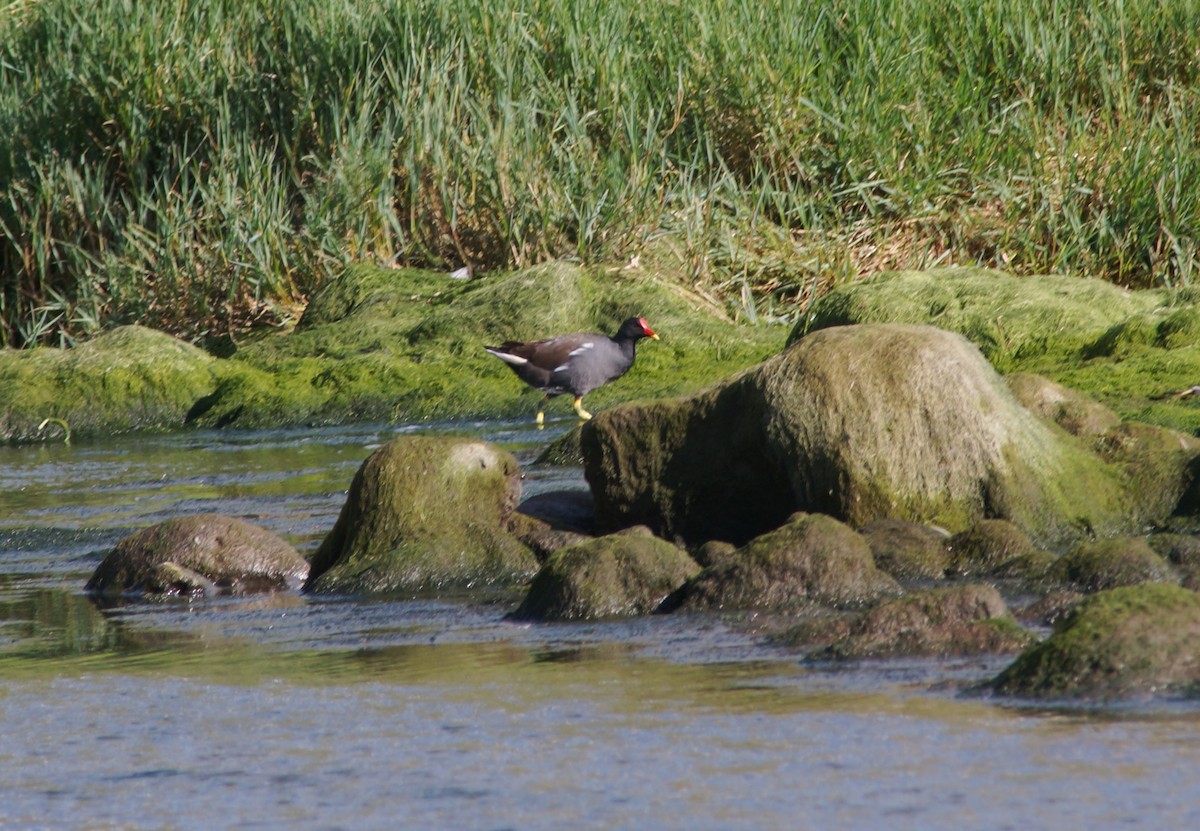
[199,165]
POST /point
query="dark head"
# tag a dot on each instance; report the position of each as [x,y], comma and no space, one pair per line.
[634,328]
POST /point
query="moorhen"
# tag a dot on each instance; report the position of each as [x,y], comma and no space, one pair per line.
[576,363]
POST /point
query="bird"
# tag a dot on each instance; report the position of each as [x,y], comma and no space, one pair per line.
[576,363]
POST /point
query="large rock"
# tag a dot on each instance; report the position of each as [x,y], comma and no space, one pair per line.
[1131,642]
[811,559]
[199,554]
[1012,319]
[1129,349]
[422,512]
[622,574]
[131,378]
[859,422]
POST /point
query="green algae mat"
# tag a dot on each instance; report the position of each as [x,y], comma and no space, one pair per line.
[379,345]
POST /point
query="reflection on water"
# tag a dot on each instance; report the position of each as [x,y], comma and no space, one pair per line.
[297,712]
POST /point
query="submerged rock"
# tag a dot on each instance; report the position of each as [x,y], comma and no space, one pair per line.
[858,422]
[200,554]
[1131,642]
[425,511]
[627,573]
[945,622]
[811,559]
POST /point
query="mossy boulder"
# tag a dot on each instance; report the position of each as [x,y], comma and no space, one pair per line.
[859,422]
[1132,642]
[199,554]
[1130,350]
[1011,319]
[907,550]
[1183,552]
[402,345]
[1161,465]
[1096,565]
[987,547]
[1078,414]
[618,575]
[425,512]
[812,559]
[943,623]
[131,378]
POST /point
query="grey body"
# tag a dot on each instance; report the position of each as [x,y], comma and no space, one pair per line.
[575,363]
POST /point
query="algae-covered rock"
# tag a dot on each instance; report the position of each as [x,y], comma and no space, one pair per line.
[131,378]
[1130,350]
[987,547]
[1130,642]
[200,554]
[1070,409]
[1183,552]
[422,512]
[811,559]
[1160,464]
[399,344]
[1105,564]
[622,574]
[1011,319]
[907,550]
[943,623]
[859,422]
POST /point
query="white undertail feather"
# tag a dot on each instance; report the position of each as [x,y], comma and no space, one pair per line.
[514,360]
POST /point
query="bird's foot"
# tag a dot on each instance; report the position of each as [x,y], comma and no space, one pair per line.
[584,414]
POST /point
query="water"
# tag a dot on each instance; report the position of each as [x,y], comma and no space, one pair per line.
[323,713]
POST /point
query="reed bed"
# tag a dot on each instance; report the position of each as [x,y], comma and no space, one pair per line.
[203,165]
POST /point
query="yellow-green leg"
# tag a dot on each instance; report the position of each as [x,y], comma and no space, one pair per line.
[541,416]
[584,414]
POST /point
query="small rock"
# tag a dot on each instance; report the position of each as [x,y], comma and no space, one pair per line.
[908,550]
[621,574]
[1106,564]
[812,558]
[986,547]
[946,622]
[200,554]
[1129,642]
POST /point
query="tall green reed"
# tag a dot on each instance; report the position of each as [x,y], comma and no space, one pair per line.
[199,166]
